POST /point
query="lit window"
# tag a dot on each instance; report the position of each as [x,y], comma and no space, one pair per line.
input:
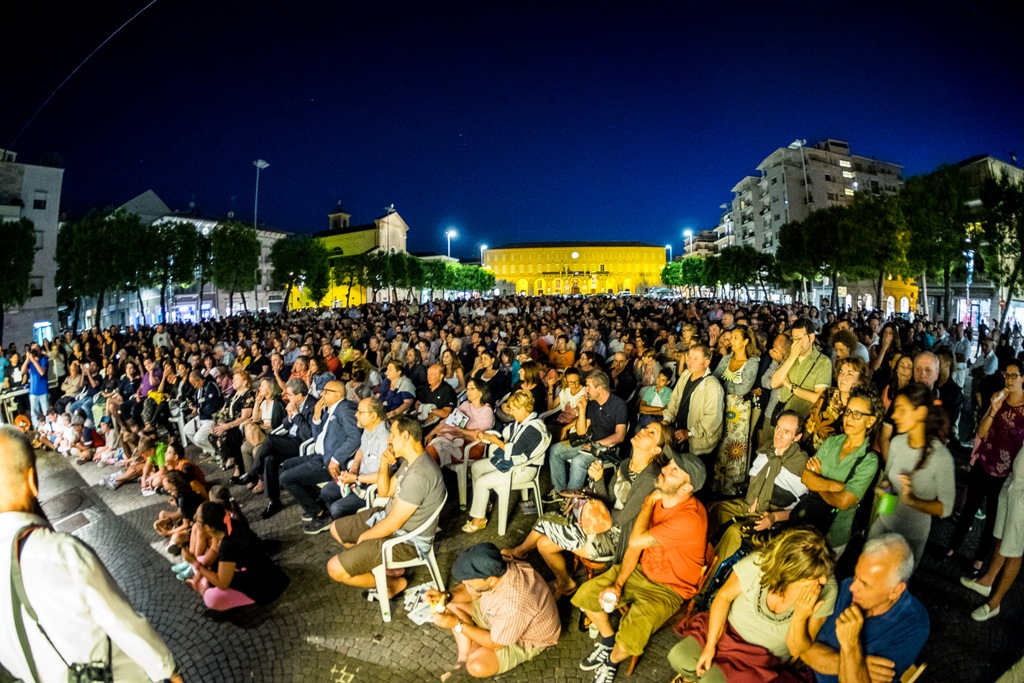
[847,174]
[849,192]
[844,163]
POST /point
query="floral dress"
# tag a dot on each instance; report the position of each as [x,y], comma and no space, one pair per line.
[734,450]
[824,420]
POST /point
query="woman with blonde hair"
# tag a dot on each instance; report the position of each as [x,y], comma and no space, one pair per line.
[267,415]
[513,446]
[236,413]
[766,615]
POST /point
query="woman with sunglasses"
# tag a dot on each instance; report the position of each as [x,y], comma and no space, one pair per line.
[844,468]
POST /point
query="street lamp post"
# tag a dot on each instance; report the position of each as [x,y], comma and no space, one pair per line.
[260,165]
[450,234]
[669,247]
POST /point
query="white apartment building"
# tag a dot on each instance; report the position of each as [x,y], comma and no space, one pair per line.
[798,179]
[33,192]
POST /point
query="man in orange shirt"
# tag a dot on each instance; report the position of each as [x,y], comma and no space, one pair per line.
[661,568]
[561,356]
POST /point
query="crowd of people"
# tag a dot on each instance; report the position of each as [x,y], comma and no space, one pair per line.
[705,457]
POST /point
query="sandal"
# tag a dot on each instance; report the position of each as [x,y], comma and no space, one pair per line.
[471,528]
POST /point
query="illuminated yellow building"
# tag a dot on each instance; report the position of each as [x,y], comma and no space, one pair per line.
[576,267]
[386,233]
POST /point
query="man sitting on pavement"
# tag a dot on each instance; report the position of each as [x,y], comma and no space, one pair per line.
[501,613]
[661,568]
[775,488]
[337,438]
[697,406]
[602,416]
[877,629]
[414,493]
[344,494]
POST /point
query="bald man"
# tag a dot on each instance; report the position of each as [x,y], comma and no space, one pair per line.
[77,604]
[877,629]
[337,438]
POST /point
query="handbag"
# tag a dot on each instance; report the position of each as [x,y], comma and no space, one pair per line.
[93,672]
[814,511]
[589,512]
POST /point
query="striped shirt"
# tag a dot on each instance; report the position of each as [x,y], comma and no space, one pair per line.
[520,610]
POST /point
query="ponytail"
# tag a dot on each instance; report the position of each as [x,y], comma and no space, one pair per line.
[936,422]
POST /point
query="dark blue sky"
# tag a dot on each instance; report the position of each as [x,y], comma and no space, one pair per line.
[509,121]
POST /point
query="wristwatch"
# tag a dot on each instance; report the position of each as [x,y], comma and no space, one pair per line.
[459,626]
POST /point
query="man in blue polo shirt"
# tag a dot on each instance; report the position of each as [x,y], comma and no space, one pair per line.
[37,367]
[877,629]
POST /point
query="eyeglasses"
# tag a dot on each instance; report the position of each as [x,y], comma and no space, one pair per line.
[331,391]
[1011,375]
[856,414]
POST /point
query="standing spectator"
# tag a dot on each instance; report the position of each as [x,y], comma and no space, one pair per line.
[36,367]
[737,372]
[79,611]
[695,409]
[1001,431]
[919,470]
[805,374]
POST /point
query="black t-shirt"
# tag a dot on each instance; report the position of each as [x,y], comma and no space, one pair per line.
[258,366]
[256,574]
[188,503]
[604,419]
[442,397]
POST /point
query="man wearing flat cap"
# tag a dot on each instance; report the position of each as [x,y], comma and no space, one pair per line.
[501,612]
[661,568]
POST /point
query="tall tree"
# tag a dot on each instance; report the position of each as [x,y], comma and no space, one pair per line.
[435,276]
[204,267]
[1002,212]
[937,215]
[17,257]
[877,239]
[349,272]
[236,256]
[288,260]
[176,253]
[318,271]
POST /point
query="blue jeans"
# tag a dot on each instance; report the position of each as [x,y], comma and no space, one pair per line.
[38,405]
[339,505]
[85,404]
[578,460]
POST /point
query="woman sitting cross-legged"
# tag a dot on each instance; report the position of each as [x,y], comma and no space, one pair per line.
[244,575]
[767,614]
[631,483]
[515,446]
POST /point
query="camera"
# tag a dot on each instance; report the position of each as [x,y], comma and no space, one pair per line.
[91,673]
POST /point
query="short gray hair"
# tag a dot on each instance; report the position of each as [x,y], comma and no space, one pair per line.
[298,386]
[600,379]
[893,543]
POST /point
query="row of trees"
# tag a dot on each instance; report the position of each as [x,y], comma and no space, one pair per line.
[112,252]
[299,260]
[923,232]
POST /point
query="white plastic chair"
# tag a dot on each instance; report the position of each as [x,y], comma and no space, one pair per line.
[380,572]
[504,492]
[461,470]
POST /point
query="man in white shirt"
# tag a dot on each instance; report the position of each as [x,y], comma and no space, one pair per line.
[80,615]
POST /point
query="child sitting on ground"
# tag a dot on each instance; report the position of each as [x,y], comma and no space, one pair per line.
[134,464]
[176,523]
[111,451]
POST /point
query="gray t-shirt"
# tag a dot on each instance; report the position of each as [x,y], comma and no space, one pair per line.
[935,481]
[758,625]
[421,485]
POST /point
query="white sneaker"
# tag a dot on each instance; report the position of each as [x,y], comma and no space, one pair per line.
[984,613]
[983,591]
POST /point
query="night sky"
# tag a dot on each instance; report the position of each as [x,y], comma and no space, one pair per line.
[507,121]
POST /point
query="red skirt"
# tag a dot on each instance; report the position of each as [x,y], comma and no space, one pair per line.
[740,661]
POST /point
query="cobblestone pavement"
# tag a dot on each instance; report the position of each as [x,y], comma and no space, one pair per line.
[320,631]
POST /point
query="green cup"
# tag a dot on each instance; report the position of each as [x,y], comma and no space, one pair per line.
[887,504]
